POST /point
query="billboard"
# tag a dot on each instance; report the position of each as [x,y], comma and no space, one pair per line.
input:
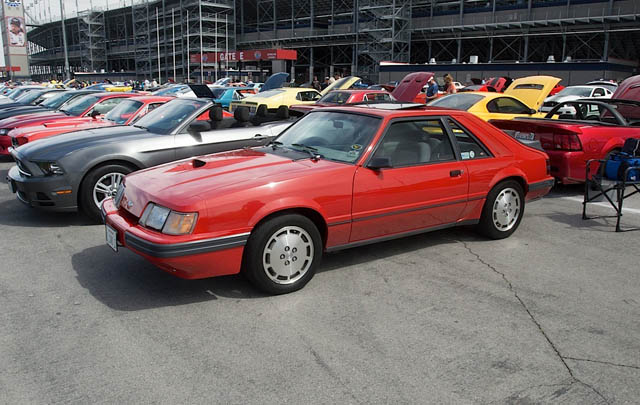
[246,56]
[14,38]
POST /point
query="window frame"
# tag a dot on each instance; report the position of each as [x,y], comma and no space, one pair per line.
[470,134]
[446,129]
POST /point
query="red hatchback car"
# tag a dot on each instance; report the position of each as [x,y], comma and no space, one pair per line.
[124,113]
[335,179]
[83,107]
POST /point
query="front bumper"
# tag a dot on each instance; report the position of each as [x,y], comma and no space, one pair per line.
[178,255]
[52,193]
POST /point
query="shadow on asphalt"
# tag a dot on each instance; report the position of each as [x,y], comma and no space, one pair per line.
[15,213]
[126,282]
[569,190]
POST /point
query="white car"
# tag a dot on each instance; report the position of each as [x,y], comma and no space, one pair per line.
[572,93]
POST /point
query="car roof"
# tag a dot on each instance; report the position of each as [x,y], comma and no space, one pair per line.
[384,110]
[107,94]
[151,99]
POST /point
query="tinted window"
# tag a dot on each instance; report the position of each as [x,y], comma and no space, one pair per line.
[107,105]
[377,97]
[575,91]
[58,99]
[460,101]
[335,97]
[507,105]
[307,96]
[29,97]
[168,117]
[336,136]
[470,148]
[411,143]
[123,112]
[77,107]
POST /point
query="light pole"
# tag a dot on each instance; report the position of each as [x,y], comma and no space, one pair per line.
[64,43]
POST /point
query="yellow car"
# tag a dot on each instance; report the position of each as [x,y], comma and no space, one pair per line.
[522,98]
[289,96]
[119,88]
[277,97]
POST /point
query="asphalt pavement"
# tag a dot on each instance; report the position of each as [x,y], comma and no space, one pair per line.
[549,315]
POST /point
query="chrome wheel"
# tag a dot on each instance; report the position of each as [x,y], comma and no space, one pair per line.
[288,255]
[106,187]
[506,209]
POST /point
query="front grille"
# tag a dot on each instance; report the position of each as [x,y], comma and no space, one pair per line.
[23,170]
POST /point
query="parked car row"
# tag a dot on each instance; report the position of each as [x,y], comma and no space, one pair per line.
[265,191]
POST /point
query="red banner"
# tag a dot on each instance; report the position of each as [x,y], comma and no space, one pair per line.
[246,56]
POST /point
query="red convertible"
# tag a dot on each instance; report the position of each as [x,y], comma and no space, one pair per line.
[123,114]
[86,106]
[335,179]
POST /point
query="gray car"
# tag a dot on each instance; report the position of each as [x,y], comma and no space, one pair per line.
[80,169]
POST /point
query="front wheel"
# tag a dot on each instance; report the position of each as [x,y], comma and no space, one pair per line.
[503,210]
[99,184]
[282,254]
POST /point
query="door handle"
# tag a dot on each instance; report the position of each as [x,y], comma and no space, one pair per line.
[260,137]
[455,173]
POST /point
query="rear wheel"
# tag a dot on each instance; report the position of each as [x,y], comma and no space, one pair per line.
[282,254]
[99,184]
[503,210]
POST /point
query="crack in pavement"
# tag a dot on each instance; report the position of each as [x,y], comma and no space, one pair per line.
[534,320]
[603,362]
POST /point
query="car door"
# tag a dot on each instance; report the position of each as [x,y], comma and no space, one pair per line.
[425,187]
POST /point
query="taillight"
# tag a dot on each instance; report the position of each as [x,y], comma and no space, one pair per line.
[566,142]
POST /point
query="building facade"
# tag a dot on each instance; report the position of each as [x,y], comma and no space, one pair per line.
[345,36]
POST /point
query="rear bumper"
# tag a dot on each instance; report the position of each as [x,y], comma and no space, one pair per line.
[189,259]
[567,167]
[539,189]
[52,193]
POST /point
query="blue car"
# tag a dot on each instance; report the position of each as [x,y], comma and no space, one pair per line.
[225,95]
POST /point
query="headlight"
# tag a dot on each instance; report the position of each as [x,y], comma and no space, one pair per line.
[50,168]
[167,221]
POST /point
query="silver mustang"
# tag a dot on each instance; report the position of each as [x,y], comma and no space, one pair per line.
[80,169]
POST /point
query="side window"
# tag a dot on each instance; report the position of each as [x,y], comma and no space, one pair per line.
[107,105]
[377,97]
[598,92]
[410,143]
[507,105]
[470,148]
[153,106]
[307,95]
[299,96]
[235,96]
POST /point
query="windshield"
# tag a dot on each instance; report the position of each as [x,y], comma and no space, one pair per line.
[57,100]
[123,111]
[575,91]
[337,136]
[166,118]
[335,97]
[29,97]
[17,93]
[170,91]
[218,93]
[77,107]
[457,101]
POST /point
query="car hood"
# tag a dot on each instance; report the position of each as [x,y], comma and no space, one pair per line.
[341,84]
[30,119]
[629,89]
[523,89]
[56,147]
[182,184]
[410,86]
[275,81]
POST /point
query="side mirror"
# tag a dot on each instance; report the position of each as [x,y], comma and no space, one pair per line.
[94,113]
[377,163]
[199,126]
[532,111]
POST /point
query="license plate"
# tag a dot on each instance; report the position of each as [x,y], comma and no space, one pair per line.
[525,136]
[112,238]
[12,186]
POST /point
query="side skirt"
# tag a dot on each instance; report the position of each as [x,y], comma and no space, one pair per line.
[402,235]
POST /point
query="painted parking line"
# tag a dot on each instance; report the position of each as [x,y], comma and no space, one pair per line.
[602,204]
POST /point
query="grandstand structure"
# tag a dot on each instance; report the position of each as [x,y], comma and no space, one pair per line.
[346,36]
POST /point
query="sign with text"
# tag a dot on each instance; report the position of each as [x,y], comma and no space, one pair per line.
[246,56]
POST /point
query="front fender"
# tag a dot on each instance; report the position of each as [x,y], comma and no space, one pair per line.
[283,204]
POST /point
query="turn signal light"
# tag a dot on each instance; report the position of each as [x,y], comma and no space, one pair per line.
[569,142]
[167,221]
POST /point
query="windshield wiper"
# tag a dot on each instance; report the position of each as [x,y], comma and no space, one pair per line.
[313,152]
[274,144]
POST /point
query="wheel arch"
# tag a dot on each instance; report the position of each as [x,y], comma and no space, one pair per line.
[312,214]
[118,161]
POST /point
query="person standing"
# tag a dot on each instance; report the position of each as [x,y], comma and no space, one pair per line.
[432,89]
[449,87]
[316,84]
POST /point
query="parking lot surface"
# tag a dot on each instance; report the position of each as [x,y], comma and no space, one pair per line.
[549,315]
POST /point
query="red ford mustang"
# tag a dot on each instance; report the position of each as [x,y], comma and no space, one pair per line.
[123,114]
[336,178]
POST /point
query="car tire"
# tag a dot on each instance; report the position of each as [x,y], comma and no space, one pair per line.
[502,211]
[282,254]
[103,174]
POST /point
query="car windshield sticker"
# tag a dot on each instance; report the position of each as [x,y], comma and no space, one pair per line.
[472,154]
[356,147]
[465,155]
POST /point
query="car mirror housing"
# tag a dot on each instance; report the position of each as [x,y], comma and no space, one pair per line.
[199,126]
[532,111]
[94,113]
[378,163]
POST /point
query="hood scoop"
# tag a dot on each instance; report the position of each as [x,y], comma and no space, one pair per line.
[198,163]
